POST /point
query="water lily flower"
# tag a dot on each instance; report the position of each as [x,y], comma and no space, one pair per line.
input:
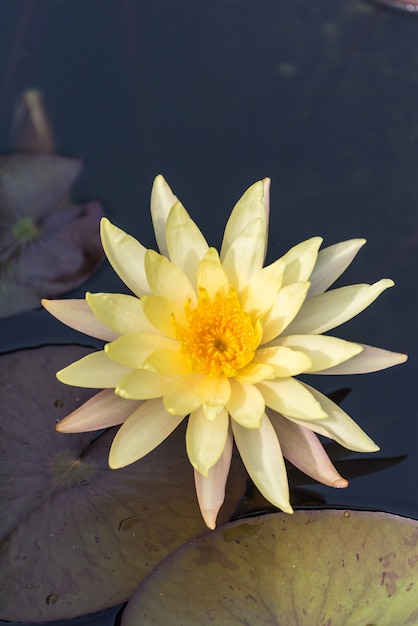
[220,338]
[48,245]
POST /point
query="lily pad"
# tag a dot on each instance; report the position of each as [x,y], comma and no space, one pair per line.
[76,536]
[47,245]
[330,568]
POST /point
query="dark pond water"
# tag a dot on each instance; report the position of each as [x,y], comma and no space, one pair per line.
[320,96]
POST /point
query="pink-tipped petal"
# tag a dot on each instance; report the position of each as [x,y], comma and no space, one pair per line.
[78,315]
[103,410]
[302,448]
[210,489]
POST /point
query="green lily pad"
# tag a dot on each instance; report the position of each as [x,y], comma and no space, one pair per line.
[47,245]
[330,568]
[76,536]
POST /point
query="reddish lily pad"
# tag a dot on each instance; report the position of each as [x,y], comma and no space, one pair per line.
[47,245]
[76,536]
[331,568]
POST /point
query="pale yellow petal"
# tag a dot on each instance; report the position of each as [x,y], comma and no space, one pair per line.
[103,410]
[291,398]
[211,275]
[332,308]
[186,244]
[162,200]
[78,315]
[95,370]
[371,359]
[285,308]
[182,394]
[245,256]
[260,451]
[286,361]
[323,351]
[248,208]
[133,350]
[338,425]
[120,312]
[302,448]
[300,261]
[206,439]
[255,372]
[331,263]
[262,289]
[210,489]
[162,314]
[168,280]
[246,404]
[142,385]
[143,431]
[266,198]
[214,393]
[168,361]
[126,255]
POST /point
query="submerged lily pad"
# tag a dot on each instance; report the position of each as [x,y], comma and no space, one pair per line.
[47,245]
[330,568]
[76,536]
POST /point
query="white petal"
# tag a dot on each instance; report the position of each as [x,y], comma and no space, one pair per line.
[260,451]
[186,244]
[103,410]
[331,263]
[210,489]
[205,439]
[143,431]
[126,256]
[338,426]
[332,308]
[78,315]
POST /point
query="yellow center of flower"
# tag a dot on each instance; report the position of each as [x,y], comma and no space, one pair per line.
[221,337]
